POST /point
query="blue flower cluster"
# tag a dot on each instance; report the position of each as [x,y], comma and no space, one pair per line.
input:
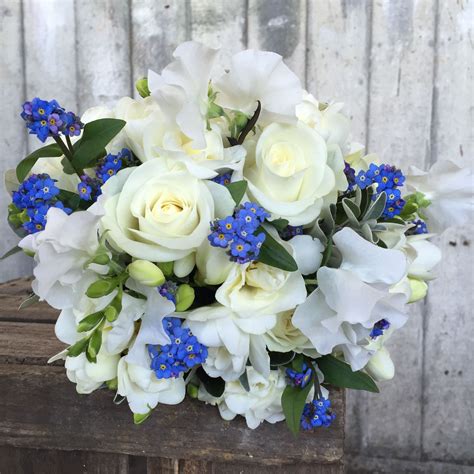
[48,119]
[317,413]
[290,231]
[89,187]
[299,378]
[34,197]
[388,179]
[183,353]
[237,232]
[379,328]
[168,290]
[350,175]
[223,179]
[420,228]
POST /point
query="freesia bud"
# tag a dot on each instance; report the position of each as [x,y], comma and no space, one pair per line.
[184,297]
[146,273]
[418,288]
[380,366]
[192,390]
[101,259]
[101,288]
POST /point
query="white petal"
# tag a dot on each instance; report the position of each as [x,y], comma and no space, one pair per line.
[308,253]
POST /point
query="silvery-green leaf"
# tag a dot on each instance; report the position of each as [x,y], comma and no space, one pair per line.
[376,208]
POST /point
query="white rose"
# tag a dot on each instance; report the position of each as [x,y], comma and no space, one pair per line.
[90,376]
[256,288]
[261,403]
[144,391]
[284,337]
[289,174]
[157,215]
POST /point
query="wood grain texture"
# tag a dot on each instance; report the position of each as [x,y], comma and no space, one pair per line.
[103,52]
[42,461]
[221,25]
[402,59]
[280,26]
[339,35]
[162,435]
[158,26]
[12,133]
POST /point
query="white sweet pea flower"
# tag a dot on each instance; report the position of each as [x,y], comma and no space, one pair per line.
[261,403]
[231,339]
[288,172]
[260,75]
[327,120]
[151,330]
[349,300]
[154,214]
[426,256]
[89,376]
[61,252]
[450,190]
[144,391]
[181,89]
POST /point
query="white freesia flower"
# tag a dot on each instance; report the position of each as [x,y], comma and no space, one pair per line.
[261,403]
[380,365]
[156,215]
[181,89]
[349,300]
[231,339]
[450,190]
[288,173]
[327,120]
[144,391]
[61,252]
[260,75]
[89,376]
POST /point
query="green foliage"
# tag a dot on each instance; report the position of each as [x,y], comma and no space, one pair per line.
[293,401]
[78,348]
[95,343]
[25,165]
[237,190]
[142,87]
[338,373]
[278,359]
[102,287]
[214,386]
[90,321]
[139,418]
[95,137]
[11,252]
[274,254]
[279,224]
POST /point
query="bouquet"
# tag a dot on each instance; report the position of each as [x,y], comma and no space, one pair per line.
[221,237]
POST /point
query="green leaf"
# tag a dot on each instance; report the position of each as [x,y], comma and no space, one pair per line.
[327,252]
[96,136]
[338,373]
[244,381]
[214,386]
[274,254]
[293,401]
[90,322]
[280,358]
[11,252]
[377,207]
[78,348]
[279,224]
[101,287]
[25,165]
[237,190]
[30,301]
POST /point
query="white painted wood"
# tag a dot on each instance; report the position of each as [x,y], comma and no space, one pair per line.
[50,52]
[103,52]
[280,26]
[12,129]
[449,359]
[401,82]
[219,25]
[158,27]
[338,55]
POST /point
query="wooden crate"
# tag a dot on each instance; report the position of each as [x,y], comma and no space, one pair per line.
[46,427]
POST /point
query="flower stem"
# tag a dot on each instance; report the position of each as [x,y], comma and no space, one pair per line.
[67,155]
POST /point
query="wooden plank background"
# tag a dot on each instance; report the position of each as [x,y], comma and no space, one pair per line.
[404,71]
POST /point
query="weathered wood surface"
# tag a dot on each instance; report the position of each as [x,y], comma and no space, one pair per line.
[60,419]
[404,71]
